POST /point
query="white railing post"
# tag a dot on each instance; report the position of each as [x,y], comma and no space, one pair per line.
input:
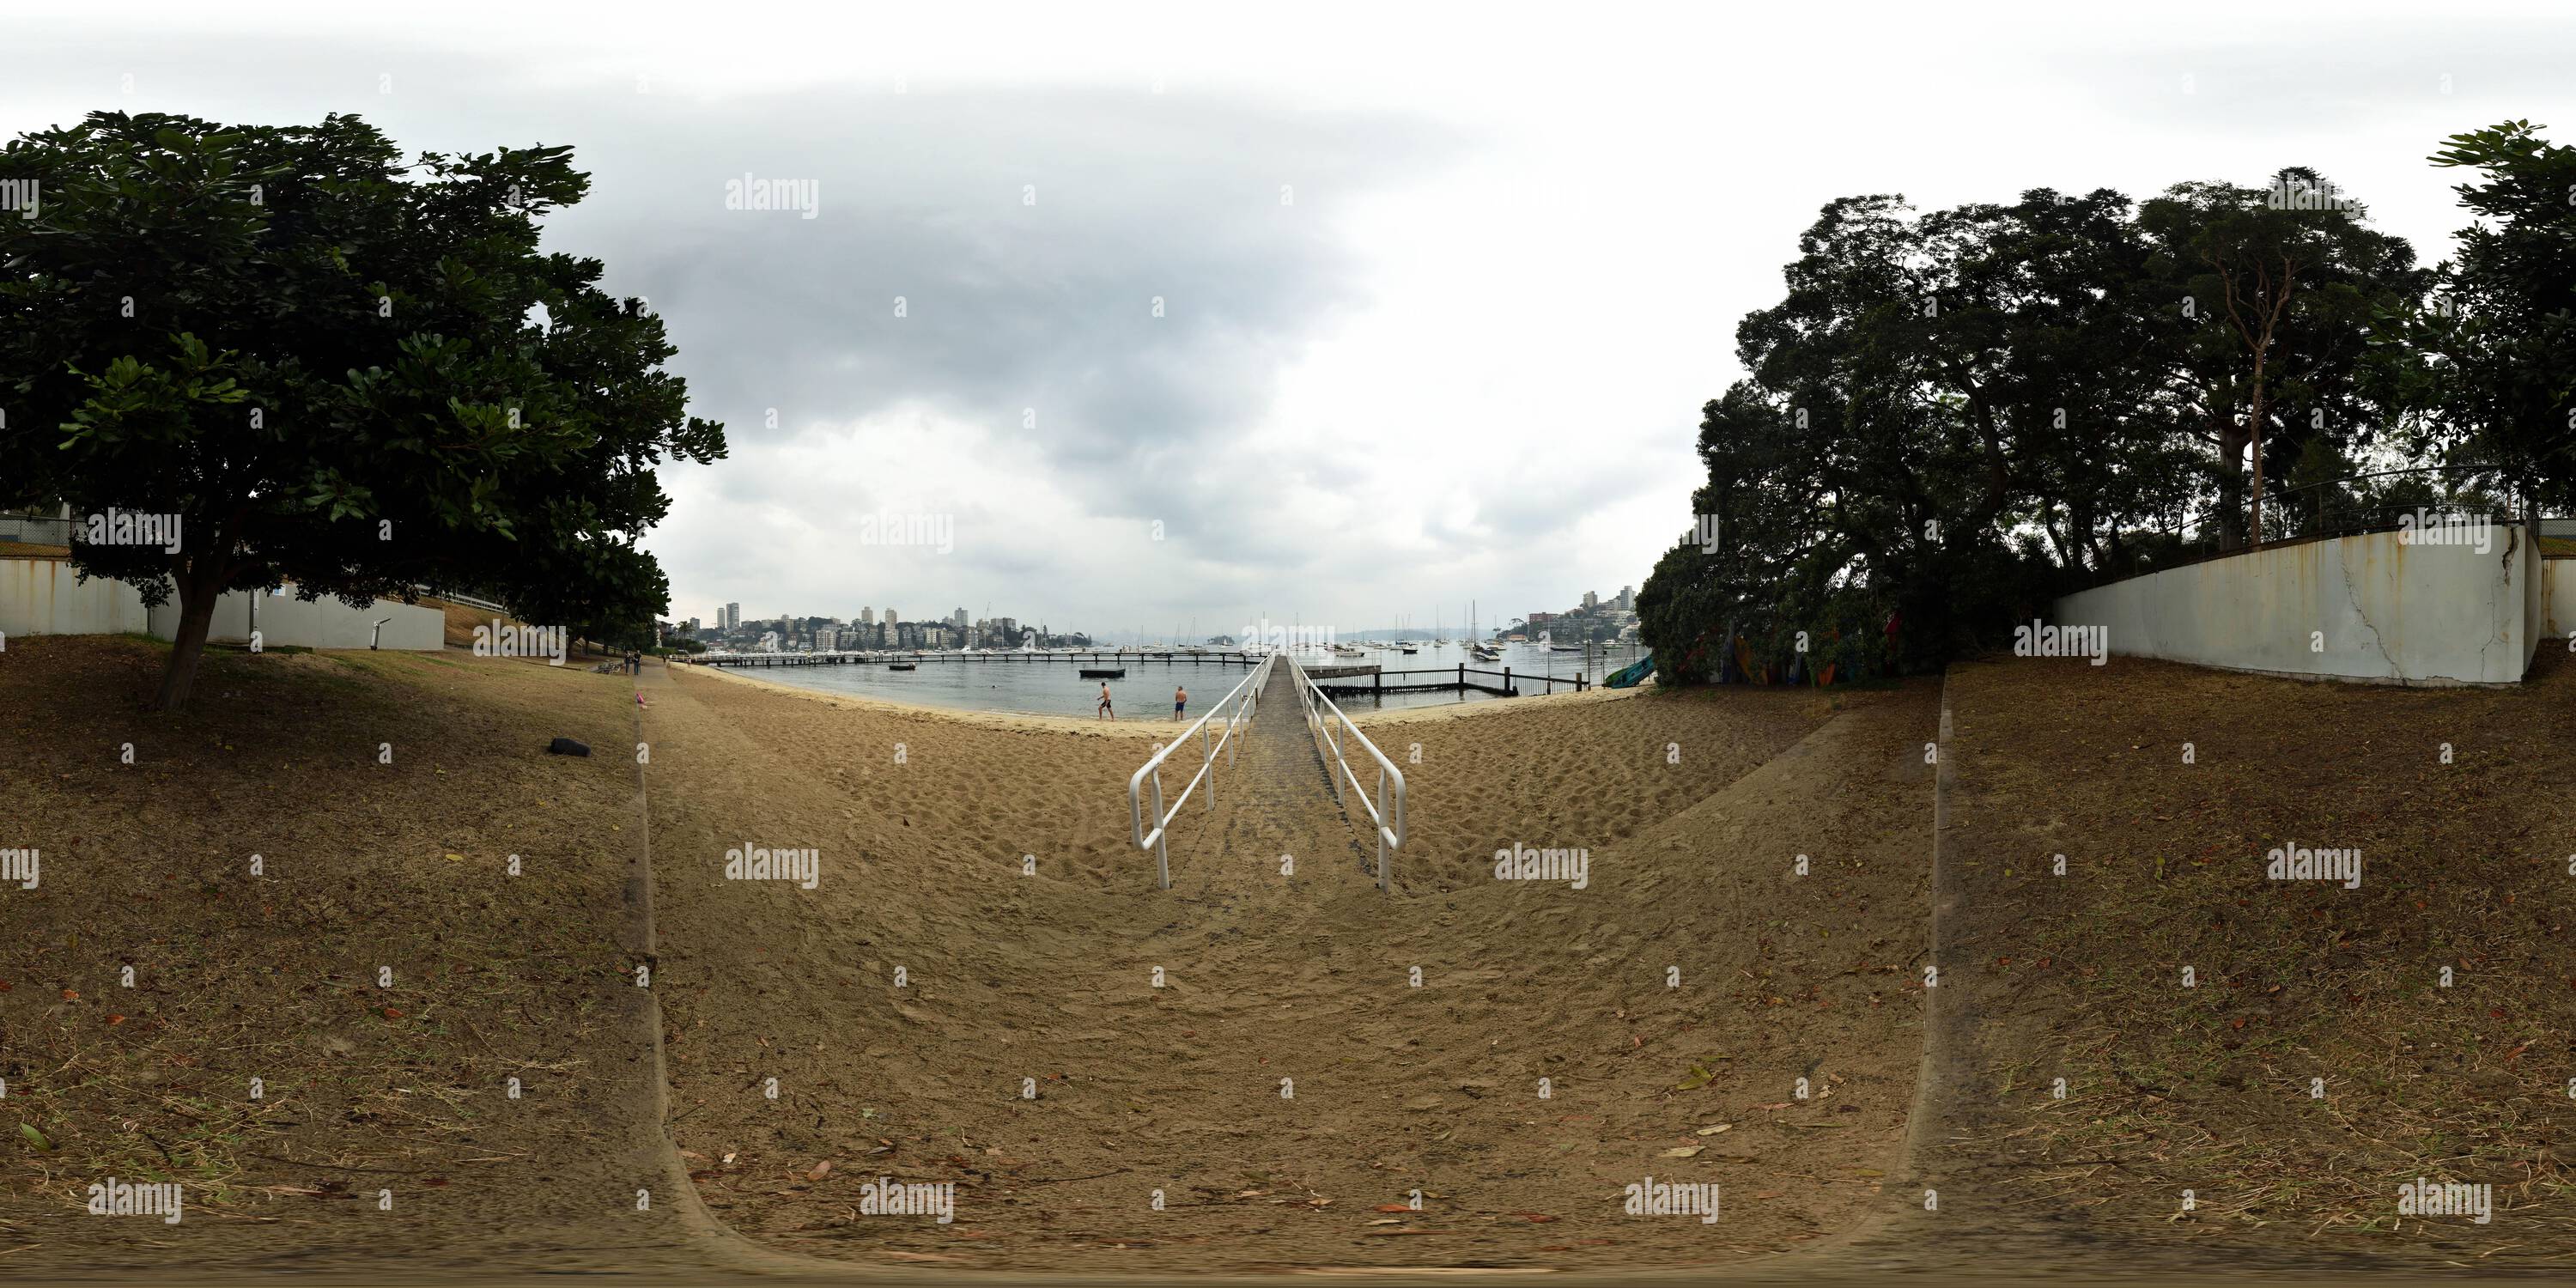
[1162,846]
[1329,727]
[1236,709]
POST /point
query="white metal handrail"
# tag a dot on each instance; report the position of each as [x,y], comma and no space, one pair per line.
[1237,707]
[1331,728]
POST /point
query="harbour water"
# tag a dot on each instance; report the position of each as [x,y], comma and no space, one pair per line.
[1056,687]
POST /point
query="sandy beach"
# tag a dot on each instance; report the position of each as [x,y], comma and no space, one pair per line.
[1027,1055]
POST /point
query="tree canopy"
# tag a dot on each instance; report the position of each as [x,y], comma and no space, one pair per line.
[1952,415]
[2502,341]
[333,369]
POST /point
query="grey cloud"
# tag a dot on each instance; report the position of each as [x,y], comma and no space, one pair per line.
[1010,306]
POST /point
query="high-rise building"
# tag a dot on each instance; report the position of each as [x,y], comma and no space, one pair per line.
[1591,600]
[891,619]
[732,616]
[1627,599]
[867,616]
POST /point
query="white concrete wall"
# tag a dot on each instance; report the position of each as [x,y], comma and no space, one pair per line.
[41,597]
[2558,599]
[285,621]
[2391,612]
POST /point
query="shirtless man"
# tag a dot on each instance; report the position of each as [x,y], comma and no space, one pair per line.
[1104,703]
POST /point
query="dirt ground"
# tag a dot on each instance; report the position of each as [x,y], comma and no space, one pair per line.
[924,824]
[2433,1005]
[384,1130]
[1027,1056]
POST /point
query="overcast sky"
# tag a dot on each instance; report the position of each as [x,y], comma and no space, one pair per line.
[1442,290]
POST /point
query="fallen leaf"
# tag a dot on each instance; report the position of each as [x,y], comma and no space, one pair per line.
[1682,1151]
[821,1170]
[1721,1127]
[1397,1207]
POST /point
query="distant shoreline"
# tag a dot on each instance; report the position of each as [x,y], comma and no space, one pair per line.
[1036,721]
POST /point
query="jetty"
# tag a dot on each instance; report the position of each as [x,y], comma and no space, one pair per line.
[1502,683]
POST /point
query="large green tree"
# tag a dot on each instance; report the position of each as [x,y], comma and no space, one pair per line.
[2503,339]
[333,368]
[1950,417]
[2283,291]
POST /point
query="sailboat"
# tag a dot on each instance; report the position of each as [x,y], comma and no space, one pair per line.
[1483,651]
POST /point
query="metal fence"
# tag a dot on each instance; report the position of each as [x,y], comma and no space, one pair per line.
[1332,729]
[469,601]
[36,529]
[1237,708]
[2380,501]
[2359,503]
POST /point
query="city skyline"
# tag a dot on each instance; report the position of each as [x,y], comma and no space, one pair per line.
[961,629]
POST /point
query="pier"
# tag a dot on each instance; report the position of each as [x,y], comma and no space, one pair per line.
[1502,683]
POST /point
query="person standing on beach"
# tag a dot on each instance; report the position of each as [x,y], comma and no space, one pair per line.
[1104,702]
[1180,700]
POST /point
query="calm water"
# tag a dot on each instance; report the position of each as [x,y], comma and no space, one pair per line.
[1055,688]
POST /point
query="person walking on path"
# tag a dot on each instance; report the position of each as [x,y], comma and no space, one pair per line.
[1105,709]
[1180,700]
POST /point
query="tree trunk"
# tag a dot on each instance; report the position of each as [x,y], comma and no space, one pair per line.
[2231,484]
[197,596]
[2254,435]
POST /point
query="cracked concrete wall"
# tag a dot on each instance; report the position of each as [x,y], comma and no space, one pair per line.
[2557,600]
[2361,608]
